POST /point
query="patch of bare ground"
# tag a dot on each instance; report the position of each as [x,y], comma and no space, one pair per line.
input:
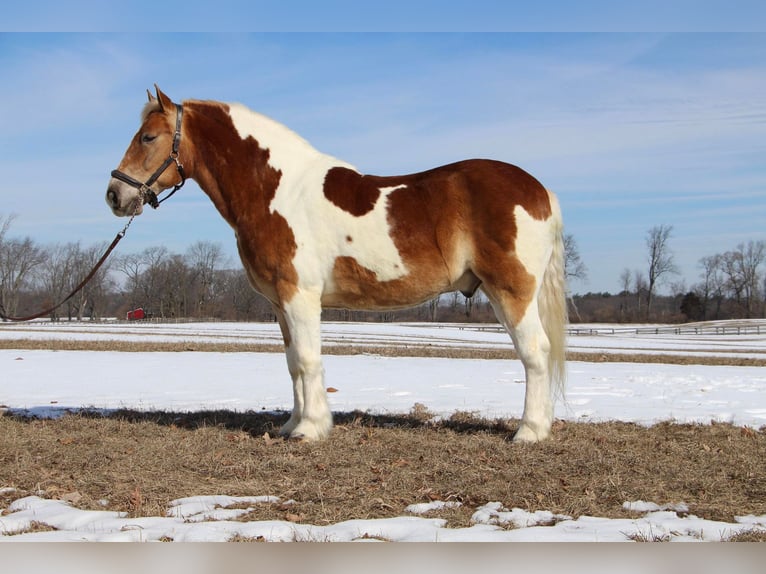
[748,536]
[34,526]
[414,350]
[375,466]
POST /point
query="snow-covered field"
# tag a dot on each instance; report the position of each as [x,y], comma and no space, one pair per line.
[47,383]
[624,339]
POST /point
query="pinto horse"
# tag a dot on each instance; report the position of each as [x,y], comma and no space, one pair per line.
[313,232]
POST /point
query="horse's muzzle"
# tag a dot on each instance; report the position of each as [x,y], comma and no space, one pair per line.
[115,199]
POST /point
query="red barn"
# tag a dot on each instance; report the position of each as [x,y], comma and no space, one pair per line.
[136,314]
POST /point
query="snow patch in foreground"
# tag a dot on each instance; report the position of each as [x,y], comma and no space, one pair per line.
[209,518]
[494,513]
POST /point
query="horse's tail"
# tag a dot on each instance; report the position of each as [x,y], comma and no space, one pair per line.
[553,305]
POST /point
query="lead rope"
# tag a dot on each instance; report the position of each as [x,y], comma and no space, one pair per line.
[82,283]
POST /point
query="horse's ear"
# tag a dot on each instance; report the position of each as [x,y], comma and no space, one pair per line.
[151,97]
[165,102]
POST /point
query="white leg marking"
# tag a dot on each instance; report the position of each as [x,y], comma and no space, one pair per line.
[533,347]
[311,418]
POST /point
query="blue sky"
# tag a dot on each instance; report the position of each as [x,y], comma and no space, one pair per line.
[389,16]
[631,130]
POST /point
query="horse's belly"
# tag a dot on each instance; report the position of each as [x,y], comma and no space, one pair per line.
[353,286]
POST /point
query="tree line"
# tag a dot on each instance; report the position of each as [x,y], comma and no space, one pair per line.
[202,282]
[197,283]
[731,285]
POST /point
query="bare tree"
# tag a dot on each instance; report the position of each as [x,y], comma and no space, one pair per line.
[454,300]
[711,288]
[753,256]
[132,265]
[574,268]
[65,268]
[468,303]
[91,299]
[741,268]
[55,275]
[640,285]
[625,279]
[205,260]
[660,260]
[174,279]
[242,300]
[763,300]
[18,260]
[433,308]
[5,224]
[144,276]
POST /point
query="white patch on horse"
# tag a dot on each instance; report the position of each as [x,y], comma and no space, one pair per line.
[320,227]
[288,151]
[323,232]
[371,244]
[533,242]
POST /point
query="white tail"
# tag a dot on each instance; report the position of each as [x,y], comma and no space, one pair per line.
[553,305]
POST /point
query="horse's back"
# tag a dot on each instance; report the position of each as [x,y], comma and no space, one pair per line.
[475,200]
[470,188]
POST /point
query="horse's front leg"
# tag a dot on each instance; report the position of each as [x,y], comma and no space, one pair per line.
[299,320]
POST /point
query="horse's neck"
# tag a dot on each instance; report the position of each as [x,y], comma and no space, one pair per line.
[216,161]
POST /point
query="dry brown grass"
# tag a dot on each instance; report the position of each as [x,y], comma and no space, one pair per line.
[374,466]
[748,536]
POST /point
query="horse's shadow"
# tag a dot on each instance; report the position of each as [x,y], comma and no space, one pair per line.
[257,423]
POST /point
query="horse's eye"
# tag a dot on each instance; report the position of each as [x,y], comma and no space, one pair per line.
[146,138]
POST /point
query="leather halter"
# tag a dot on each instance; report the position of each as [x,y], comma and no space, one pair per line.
[147,194]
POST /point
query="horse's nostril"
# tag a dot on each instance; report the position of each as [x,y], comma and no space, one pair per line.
[111,198]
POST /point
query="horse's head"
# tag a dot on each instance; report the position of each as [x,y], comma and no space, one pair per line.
[142,173]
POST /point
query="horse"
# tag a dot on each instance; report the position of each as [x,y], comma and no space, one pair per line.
[314,232]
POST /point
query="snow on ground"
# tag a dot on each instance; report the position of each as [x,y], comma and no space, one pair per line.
[625,339]
[48,383]
[644,393]
[206,518]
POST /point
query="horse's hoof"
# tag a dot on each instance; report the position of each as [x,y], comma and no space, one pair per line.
[310,431]
[526,435]
[296,437]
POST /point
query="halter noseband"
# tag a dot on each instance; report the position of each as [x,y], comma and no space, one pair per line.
[144,190]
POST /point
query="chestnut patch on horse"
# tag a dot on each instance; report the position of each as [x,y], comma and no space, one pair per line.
[350,191]
[355,286]
[265,239]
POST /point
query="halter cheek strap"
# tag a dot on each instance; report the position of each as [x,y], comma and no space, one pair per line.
[147,194]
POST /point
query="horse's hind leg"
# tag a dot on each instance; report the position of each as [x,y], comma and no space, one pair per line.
[521,318]
[299,320]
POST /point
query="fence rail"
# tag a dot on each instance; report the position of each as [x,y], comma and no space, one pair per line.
[712,329]
[723,330]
